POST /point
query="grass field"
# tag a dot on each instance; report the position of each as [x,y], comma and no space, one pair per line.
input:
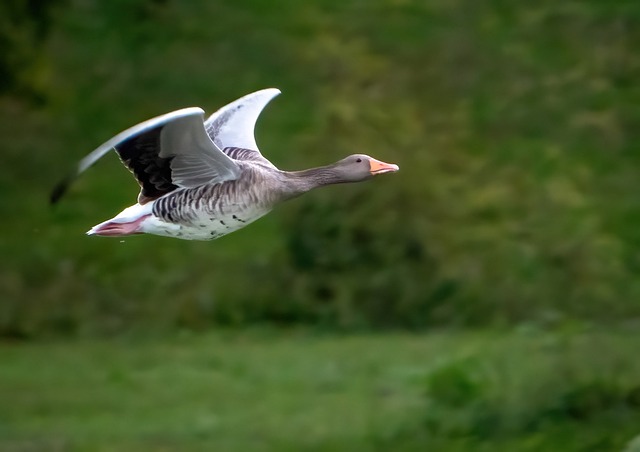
[261,390]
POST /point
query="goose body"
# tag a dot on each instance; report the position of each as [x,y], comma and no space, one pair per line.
[201,179]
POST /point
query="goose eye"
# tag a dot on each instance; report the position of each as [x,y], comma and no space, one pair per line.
[358,160]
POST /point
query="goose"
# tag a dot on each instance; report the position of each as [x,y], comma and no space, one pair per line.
[201,179]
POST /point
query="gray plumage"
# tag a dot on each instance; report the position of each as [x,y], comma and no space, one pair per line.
[203,179]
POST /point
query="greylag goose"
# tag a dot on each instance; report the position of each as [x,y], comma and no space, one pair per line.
[203,179]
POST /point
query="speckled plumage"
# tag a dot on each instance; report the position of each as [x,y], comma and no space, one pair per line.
[201,180]
[211,211]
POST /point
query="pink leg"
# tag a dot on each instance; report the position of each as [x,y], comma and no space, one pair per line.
[113,229]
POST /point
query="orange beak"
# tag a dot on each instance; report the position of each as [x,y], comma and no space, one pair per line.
[378,167]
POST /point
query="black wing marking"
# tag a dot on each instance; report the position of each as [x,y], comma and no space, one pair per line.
[163,153]
[140,155]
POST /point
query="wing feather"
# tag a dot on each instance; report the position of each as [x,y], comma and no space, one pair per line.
[233,126]
[164,153]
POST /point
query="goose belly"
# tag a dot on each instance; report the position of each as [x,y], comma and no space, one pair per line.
[203,225]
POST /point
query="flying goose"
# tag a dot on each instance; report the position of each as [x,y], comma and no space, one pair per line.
[203,179]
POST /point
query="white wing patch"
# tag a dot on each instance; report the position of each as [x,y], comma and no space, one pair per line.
[234,124]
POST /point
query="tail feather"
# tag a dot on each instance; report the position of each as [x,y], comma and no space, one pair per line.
[127,222]
[112,228]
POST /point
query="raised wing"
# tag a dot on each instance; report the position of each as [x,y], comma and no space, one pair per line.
[164,153]
[233,126]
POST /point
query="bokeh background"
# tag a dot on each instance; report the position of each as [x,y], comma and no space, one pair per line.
[486,297]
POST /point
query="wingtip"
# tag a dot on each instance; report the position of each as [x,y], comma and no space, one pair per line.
[272,92]
[59,190]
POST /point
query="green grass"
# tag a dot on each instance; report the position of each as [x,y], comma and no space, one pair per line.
[258,391]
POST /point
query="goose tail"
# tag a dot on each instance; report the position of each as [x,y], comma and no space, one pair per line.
[127,222]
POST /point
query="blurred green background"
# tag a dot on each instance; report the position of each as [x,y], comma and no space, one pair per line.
[485,297]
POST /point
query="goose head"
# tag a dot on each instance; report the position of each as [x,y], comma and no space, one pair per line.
[354,168]
[358,167]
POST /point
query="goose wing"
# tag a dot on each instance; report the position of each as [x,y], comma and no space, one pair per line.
[164,153]
[232,128]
